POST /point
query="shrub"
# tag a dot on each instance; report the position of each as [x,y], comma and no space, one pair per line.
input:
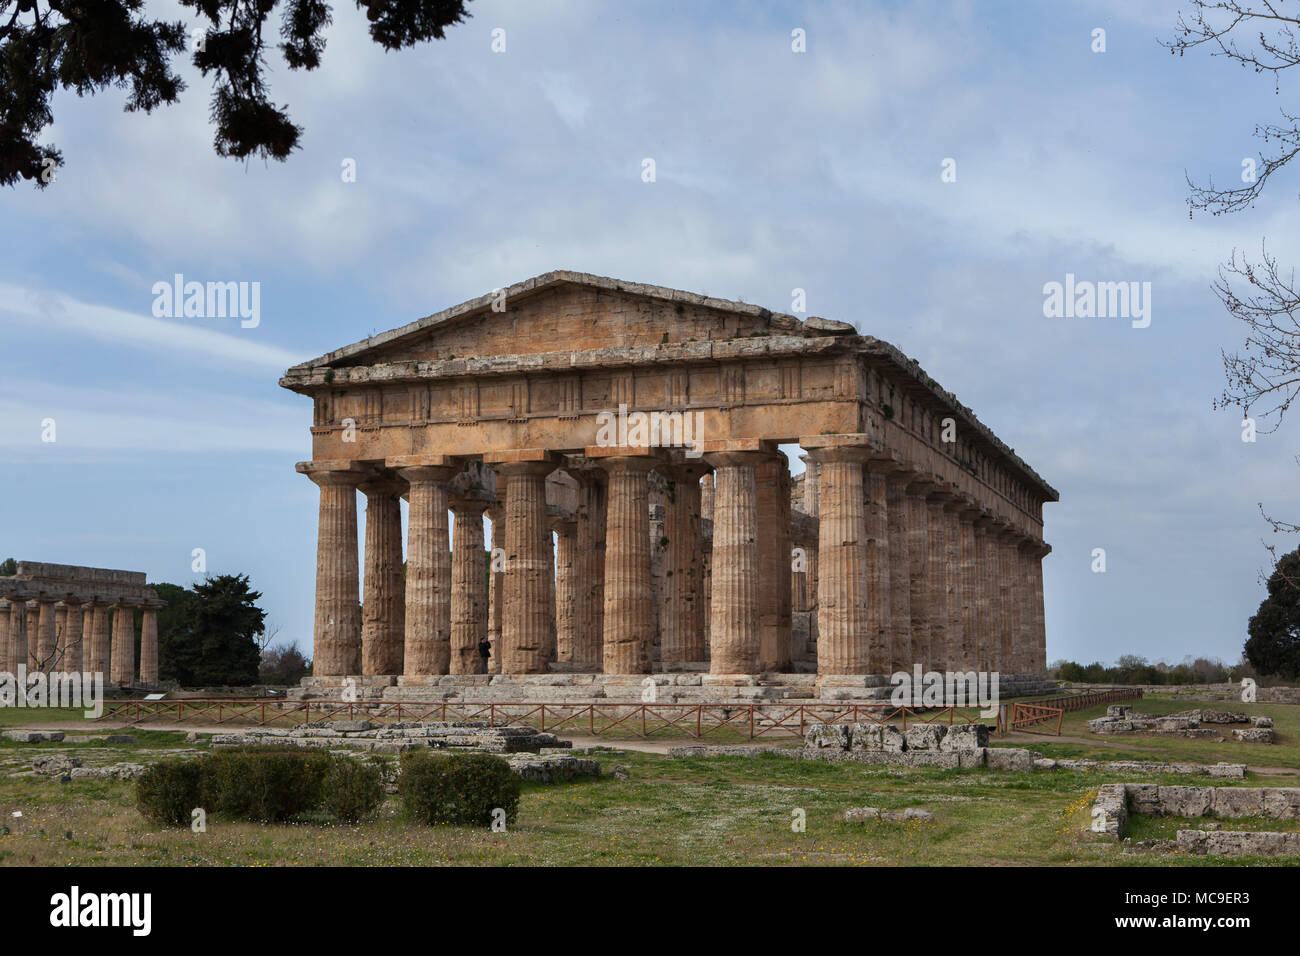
[264,784]
[353,789]
[460,788]
[168,792]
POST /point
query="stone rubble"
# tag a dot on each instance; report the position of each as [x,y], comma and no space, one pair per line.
[1121,719]
[857,814]
[395,737]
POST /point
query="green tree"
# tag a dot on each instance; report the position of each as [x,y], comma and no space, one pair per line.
[207,635]
[8,567]
[1273,647]
[90,45]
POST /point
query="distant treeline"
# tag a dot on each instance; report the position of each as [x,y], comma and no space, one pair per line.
[1132,669]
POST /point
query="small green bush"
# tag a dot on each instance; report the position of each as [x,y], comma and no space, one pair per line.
[264,784]
[168,792]
[353,789]
[460,788]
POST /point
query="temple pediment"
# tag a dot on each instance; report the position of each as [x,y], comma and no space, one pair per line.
[570,311]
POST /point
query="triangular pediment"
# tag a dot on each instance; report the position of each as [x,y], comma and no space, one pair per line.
[570,311]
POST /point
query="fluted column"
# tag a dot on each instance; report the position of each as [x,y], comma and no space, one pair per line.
[842,597]
[734,631]
[526,621]
[33,634]
[122,665]
[589,588]
[879,592]
[337,631]
[60,636]
[566,588]
[938,578]
[706,498]
[496,576]
[46,634]
[1005,614]
[900,655]
[149,646]
[98,641]
[683,626]
[427,627]
[1038,625]
[629,588]
[469,598]
[71,639]
[772,486]
[383,602]
[918,573]
[17,644]
[967,517]
[954,639]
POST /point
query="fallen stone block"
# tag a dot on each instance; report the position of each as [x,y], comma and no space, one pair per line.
[827,737]
[965,737]
[1008,758]
[33,736]
[1262,721]
[50,765]
[924,736]
[1256,735]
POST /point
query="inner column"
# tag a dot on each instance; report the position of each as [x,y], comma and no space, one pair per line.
[629,588]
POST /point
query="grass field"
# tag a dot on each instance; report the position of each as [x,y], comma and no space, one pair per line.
[703,811]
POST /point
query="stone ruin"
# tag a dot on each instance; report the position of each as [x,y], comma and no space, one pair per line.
[1120,719]
[1117,801]
[533,755]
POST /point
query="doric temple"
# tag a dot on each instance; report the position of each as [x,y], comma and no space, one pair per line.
[55,617]
[623,440]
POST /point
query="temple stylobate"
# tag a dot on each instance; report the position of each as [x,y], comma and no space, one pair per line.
[623,441]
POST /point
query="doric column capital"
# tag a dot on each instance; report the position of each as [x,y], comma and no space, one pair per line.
[436,473]
[464,504]
[526,461]
[334,471]
[383,483]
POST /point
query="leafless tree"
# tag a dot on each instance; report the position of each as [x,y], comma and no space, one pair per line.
[1258,35]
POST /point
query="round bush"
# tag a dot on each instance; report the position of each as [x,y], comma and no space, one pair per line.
[168,792]
[353,790]
[264,784]
[459,788]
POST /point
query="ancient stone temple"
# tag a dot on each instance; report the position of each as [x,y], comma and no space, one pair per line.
[56,617]
[624,442]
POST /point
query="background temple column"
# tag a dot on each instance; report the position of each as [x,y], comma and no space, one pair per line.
[876,548]
[629,589]
[98,641]
[72,639]
[1022,602]
[954,638]
[5,667]
[937,577]
[469,599]
[17,635]
[734,632]
[918,574]
[1038,625]
[900,653]
[1003,615]
[526,621]
[566,588]
[148,645]
[46,634]
[683,625]
[122,665]
[427,616]
[842,646]
[589,587]
[496,575]
[968,514]
[337,630]
[985,579]
[383,613]
[772,490]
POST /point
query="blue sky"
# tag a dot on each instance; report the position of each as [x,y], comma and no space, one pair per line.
[775,170]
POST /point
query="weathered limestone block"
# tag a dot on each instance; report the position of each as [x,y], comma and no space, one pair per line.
[925,736]
[965,737]
[877,737]
[1110,811]
[1232,802]
[1262,721]
[1008,758]
[1238,843]
[33,736]
[1281,803]
[1256,735]
[907,815]
[828,736]
[55,764]
[1119,710]
[1185,801]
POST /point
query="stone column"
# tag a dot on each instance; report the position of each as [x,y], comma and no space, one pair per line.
[72,639]
[427,629]
[629,589]
[337,631]
[526,622]
[706,498]
[46,634]
[469,599]
[149,646]
[955,639]
[60,636]
[900,655]
[1005,613]
[982,645]
[938,573]
[772,487]
[918,575]
[566,588]
[122,665]
[17,643]
[5,666]
[683,626]
[383,614]
[98,643]
[1038,620]
[809,485]
[734,630]
[879,591]
[589,590]
[969,514]
[33,634]
[496,576]
[842,645]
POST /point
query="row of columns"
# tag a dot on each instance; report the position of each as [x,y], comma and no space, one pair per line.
[906,570]
[69,636]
